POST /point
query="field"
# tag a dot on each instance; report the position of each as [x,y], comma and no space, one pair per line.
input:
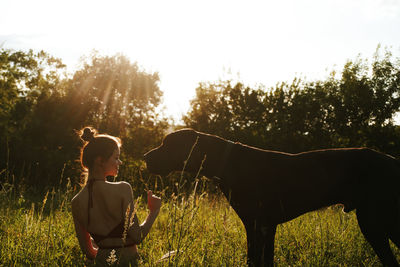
[201,229]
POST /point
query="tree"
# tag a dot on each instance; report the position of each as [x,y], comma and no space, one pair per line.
[115,96]
[355,109]
[26,77]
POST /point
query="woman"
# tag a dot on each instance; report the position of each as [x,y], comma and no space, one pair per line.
[106,227]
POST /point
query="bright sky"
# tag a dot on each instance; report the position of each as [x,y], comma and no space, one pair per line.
[187,42]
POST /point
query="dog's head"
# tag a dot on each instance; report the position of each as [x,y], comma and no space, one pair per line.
[179,150]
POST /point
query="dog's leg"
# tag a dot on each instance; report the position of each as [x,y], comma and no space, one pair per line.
[394,235]
[393,219]
[260,244]
[373,228]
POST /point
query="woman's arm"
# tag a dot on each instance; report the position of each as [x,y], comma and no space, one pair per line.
[84,238]
[137,231]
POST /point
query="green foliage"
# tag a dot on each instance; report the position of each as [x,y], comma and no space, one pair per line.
[355,109]
[118,98]
[41,109]
[200,230]
[28,82]
[25,77]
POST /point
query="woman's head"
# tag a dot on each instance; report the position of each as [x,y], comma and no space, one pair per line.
[99,150]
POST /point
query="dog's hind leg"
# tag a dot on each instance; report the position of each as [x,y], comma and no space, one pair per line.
[393,219]
[394,235]
[372,224]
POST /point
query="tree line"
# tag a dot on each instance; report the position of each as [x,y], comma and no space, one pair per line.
[354,108]
[42,106]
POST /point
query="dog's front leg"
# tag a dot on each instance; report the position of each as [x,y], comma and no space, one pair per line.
[260,244]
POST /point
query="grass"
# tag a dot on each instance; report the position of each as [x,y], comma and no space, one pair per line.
[199,228]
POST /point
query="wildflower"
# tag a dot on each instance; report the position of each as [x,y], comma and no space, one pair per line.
[128,220]
[126,223]
[112,258]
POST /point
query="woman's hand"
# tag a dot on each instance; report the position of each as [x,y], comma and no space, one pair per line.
[94,243]
[153,202]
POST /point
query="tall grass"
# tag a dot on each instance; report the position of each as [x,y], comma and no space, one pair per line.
[196,228]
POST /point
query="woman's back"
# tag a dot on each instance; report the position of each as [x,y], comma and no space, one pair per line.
[104,219]
[109,206]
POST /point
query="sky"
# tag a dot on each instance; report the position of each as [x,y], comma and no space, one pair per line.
[188,42]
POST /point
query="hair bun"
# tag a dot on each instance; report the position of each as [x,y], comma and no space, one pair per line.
[88,134]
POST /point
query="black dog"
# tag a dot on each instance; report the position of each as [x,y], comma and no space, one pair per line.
[267,188]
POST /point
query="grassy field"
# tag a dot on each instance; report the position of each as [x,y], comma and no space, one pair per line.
[201,229]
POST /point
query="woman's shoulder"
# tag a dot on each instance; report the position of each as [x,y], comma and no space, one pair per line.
[121,184]
[121,188]
[77,201]
[77,197]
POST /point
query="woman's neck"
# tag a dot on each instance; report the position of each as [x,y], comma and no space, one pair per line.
[97,175]
[94,178]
